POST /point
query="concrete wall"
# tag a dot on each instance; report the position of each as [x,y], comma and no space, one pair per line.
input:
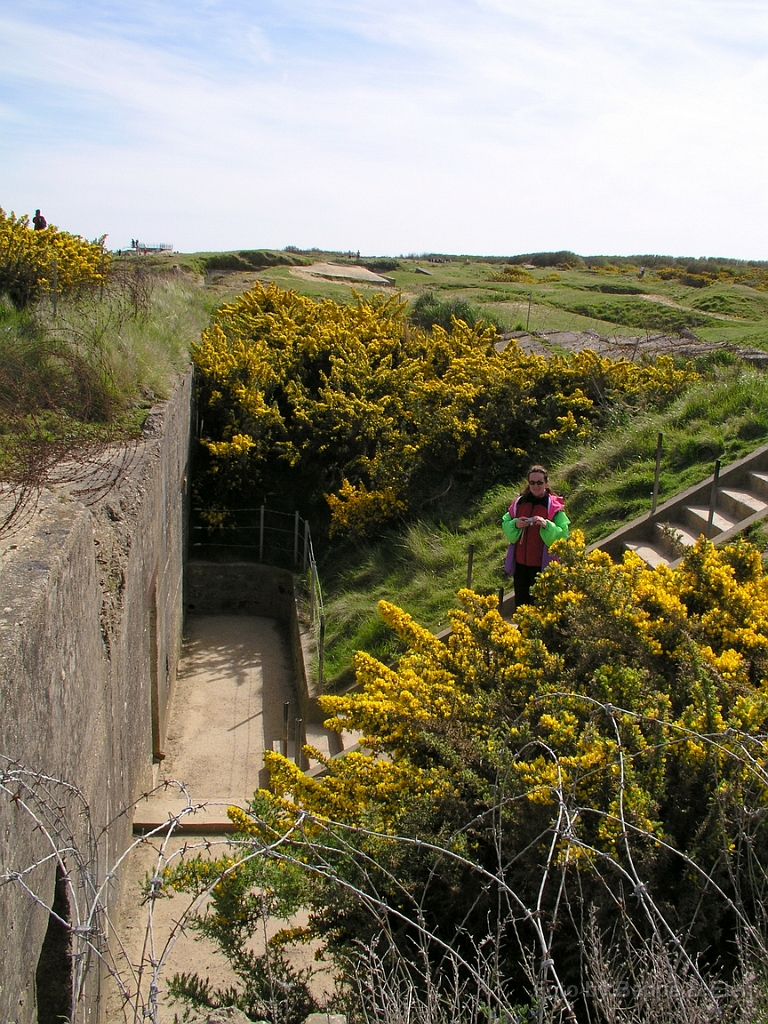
[90,630]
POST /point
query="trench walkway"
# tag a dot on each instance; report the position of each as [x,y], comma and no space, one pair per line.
[235,676]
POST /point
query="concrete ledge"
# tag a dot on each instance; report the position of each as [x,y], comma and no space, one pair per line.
[206,817]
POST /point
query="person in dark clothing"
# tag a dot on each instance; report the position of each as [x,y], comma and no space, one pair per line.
[535,520]
[39,221]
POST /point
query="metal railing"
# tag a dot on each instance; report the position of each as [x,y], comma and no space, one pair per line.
[281,539]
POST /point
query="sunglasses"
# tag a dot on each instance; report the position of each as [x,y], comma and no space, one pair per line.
[537,483]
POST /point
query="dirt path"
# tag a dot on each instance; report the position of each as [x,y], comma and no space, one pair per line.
[664,301]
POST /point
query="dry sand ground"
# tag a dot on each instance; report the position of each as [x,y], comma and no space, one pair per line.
[234,679]
[161,938]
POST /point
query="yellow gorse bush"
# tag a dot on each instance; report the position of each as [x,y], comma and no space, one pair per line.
[628,693]
[29,259]
[612,742]
[349,405]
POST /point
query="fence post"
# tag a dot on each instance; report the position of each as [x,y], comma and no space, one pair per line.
[284,739]
[713,498]
[659,440]
[321,652]
[306,546]
[297,741]
[296,539]
[55,285]
[470,560]
[261,534]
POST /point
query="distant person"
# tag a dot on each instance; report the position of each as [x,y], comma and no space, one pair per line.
[39,221]
[535,520]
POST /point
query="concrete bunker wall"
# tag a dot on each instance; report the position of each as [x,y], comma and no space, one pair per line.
[91,616]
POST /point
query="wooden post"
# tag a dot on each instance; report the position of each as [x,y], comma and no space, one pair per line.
[470,560]
[321,652]
[298,742]
[659,441]
[713,499]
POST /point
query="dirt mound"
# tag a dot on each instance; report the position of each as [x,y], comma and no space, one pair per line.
[686,345]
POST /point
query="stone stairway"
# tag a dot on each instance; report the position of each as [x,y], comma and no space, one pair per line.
[719,508]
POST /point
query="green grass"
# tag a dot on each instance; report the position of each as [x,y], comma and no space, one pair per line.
[606,484]
[92,371]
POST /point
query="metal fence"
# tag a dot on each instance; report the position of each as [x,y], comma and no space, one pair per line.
[282,539]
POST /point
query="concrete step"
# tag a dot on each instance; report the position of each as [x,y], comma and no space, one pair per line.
[160,813]
[697,517]
[648,552]
[758,482]
[320,739]
[740,503]
[673,538]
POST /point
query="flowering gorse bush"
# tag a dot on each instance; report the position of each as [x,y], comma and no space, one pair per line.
[350,407]
[530,800]
[29,259]
[616,732]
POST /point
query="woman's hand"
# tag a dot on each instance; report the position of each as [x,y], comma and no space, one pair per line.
[521,522]
[538,521]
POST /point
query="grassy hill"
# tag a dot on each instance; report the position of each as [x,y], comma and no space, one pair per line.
[725,301]
[422,566]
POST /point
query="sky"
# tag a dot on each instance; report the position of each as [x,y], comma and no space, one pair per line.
[391,127]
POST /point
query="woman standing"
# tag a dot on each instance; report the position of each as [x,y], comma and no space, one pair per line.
[536,519]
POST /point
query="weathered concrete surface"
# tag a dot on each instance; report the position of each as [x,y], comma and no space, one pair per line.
[234,678]
[183,949]
[247,588]
[90,626]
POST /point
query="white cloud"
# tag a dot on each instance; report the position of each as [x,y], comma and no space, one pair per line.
[478,125]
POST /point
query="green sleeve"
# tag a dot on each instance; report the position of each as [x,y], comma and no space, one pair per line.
[511,532]
[556,529]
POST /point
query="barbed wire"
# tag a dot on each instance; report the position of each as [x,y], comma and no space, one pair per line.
[408,970]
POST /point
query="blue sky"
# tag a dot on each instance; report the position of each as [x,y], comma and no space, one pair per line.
[476,126]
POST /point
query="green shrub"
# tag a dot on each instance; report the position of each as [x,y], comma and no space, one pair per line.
[429,311]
